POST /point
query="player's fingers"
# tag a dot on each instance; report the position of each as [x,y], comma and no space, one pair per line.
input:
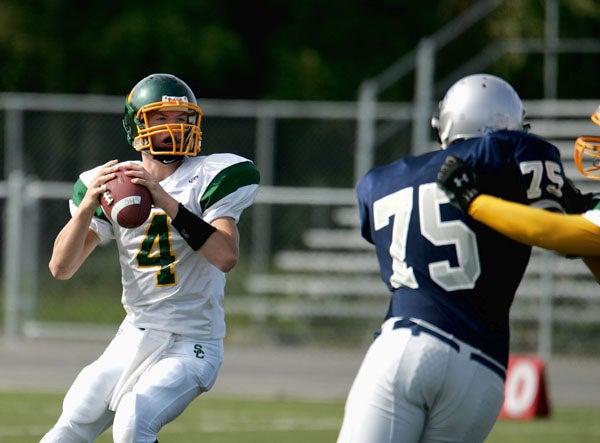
[132,166]
[110,165]
[105,173]
[96,189]
[137,173]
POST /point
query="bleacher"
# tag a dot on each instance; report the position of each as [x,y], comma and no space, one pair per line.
[335,273]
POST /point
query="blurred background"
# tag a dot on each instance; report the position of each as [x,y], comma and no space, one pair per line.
[316,93]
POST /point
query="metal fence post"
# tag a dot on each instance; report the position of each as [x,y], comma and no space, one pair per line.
[423,95]
[13,254]
[261,223]
[546,309]
[365,129]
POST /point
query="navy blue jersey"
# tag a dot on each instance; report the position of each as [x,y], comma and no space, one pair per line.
[441,265]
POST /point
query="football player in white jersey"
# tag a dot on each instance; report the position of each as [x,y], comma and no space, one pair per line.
[169,347]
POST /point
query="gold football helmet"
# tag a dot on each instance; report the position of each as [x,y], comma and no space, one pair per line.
[587,152]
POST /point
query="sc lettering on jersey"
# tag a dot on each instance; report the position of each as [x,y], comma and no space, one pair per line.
[199,351]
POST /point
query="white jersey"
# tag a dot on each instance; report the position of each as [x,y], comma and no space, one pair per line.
[593,215]
[167,285]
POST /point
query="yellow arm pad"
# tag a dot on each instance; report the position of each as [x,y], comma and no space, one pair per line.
[565,234]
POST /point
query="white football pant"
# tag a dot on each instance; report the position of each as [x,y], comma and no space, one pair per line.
[185,370]
[415,388]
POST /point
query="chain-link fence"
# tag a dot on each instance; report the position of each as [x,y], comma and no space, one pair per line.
[305,274]
[49,139]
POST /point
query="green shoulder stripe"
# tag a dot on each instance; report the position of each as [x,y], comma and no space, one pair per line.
[79,190]
[229,180]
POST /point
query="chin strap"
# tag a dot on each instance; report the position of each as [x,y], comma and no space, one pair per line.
[167,159]
[164,159]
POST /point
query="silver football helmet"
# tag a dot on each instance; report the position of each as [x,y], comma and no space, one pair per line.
[477,105]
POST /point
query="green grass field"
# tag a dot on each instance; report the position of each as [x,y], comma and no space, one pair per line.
[24,417]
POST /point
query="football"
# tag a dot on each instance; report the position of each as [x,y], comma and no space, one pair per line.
[126,203]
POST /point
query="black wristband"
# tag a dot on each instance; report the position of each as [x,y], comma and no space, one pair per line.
[192,228]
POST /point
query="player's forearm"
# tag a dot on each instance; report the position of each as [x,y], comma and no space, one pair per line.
[565,234]
[72,246]
[222,248]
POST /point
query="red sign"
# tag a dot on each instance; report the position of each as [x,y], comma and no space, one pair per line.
[525,395]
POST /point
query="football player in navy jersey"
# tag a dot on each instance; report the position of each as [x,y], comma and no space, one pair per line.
[567,234]
[436,369]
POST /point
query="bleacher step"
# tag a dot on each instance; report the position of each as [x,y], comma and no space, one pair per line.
[323,286]
[344,239]
[326,261]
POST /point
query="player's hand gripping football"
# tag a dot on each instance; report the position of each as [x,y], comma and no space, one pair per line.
[457,180]
[160,197]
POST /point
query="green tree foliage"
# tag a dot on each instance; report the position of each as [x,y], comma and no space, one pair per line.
[309,49]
